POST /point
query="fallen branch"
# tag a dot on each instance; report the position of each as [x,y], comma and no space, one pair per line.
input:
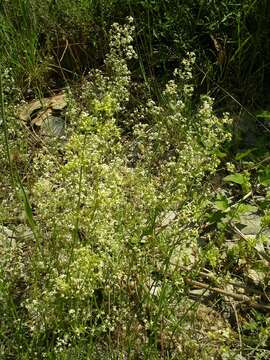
[239,297]
[211,276]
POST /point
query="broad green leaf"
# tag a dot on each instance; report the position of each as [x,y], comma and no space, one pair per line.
[264,114]
[221,203]
[243,154]
[221,154]
[264,177]
[246,208]
[236,178]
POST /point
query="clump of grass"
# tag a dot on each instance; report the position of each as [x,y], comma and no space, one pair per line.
[48,43]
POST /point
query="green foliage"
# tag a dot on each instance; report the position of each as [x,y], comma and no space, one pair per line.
[241,179]
[109,213]
[109,233]
[59,40]
[242,220]
[264,176]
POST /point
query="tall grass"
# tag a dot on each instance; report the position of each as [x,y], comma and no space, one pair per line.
[49,42]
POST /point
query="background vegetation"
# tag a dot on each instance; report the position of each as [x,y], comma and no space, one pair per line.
[134,216]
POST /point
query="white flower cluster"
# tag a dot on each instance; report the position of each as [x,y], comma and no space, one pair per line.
[9,88]
[115,213]
[121,40]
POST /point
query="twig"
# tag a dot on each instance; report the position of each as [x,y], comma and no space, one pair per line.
[63,54]
[238,326]
[260,253]
[238,297]
[211,276]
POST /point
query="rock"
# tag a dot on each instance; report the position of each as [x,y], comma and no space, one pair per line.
[7,238]
[168,218]
[30,110]
[256,276]
[250,225]
[46,114]
[53,126]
